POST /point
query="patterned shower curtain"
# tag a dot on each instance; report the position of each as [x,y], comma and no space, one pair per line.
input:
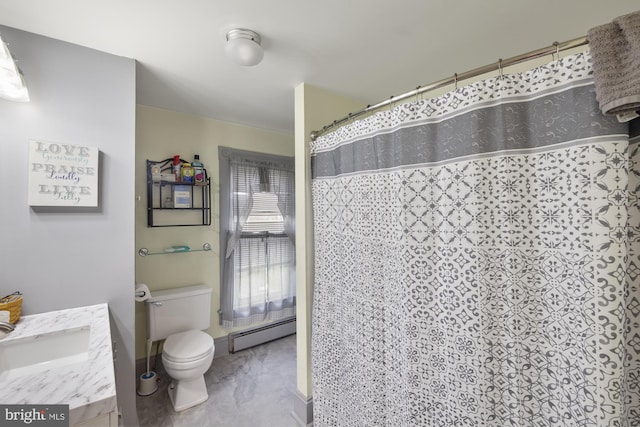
[478,260]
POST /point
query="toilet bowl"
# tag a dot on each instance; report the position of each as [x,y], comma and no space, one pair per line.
[186,356]
[179,317]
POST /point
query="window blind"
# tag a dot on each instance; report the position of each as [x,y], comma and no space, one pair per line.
[265,215]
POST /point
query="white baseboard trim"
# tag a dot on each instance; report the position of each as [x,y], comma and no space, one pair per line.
[302,409]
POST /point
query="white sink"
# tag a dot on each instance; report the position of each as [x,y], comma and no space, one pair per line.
[37,353]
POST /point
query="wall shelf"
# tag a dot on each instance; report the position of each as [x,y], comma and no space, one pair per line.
[172,203]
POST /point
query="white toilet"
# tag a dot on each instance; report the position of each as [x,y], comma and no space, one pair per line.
[179,316]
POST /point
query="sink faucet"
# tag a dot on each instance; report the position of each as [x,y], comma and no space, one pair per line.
[7,326]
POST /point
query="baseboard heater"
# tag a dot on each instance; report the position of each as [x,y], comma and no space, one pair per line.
[262,334]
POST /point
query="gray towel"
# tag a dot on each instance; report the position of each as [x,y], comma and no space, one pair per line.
[615,52]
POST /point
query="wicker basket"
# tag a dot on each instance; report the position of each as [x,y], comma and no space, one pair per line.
[13,304]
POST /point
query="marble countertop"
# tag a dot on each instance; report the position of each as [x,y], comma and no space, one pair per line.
[88,386]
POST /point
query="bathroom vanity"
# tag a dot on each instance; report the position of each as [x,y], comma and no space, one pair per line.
[62,357]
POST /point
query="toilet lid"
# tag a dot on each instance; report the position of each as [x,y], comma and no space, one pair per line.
[187,346]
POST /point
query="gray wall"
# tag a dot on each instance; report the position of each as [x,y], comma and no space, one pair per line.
[65,257]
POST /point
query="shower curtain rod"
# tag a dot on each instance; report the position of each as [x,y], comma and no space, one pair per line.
[555,48]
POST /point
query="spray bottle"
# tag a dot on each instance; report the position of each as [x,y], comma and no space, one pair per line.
[177,165]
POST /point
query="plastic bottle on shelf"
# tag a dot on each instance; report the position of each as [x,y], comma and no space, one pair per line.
[177,166]
[181,248]
[187,173]
[198,170]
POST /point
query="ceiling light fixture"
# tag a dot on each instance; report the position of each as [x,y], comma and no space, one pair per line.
[12,85]
[244,47]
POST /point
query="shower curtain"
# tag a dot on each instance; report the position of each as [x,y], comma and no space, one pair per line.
[477,260]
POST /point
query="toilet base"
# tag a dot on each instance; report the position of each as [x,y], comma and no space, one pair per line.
[185,394]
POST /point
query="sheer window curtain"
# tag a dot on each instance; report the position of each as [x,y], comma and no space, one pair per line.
[258,267]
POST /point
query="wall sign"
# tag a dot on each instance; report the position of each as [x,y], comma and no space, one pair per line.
[62,174]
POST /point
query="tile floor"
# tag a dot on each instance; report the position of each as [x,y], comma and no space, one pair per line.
[251,388]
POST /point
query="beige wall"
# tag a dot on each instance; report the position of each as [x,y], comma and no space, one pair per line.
[314,108]
[159,135]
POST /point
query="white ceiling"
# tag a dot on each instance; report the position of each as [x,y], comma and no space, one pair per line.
[364,49]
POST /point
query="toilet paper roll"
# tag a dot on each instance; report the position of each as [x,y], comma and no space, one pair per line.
[142,292]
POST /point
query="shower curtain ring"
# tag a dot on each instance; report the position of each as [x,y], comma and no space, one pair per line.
[500,67]
[455,80]
[557,45]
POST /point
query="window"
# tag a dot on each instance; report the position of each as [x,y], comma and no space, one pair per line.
[256,237]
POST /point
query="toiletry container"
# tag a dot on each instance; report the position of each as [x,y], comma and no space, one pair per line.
[177,166]
[179,316]
[187,173]
[198,170]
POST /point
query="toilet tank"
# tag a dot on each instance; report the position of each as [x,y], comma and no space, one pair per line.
[177,310]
